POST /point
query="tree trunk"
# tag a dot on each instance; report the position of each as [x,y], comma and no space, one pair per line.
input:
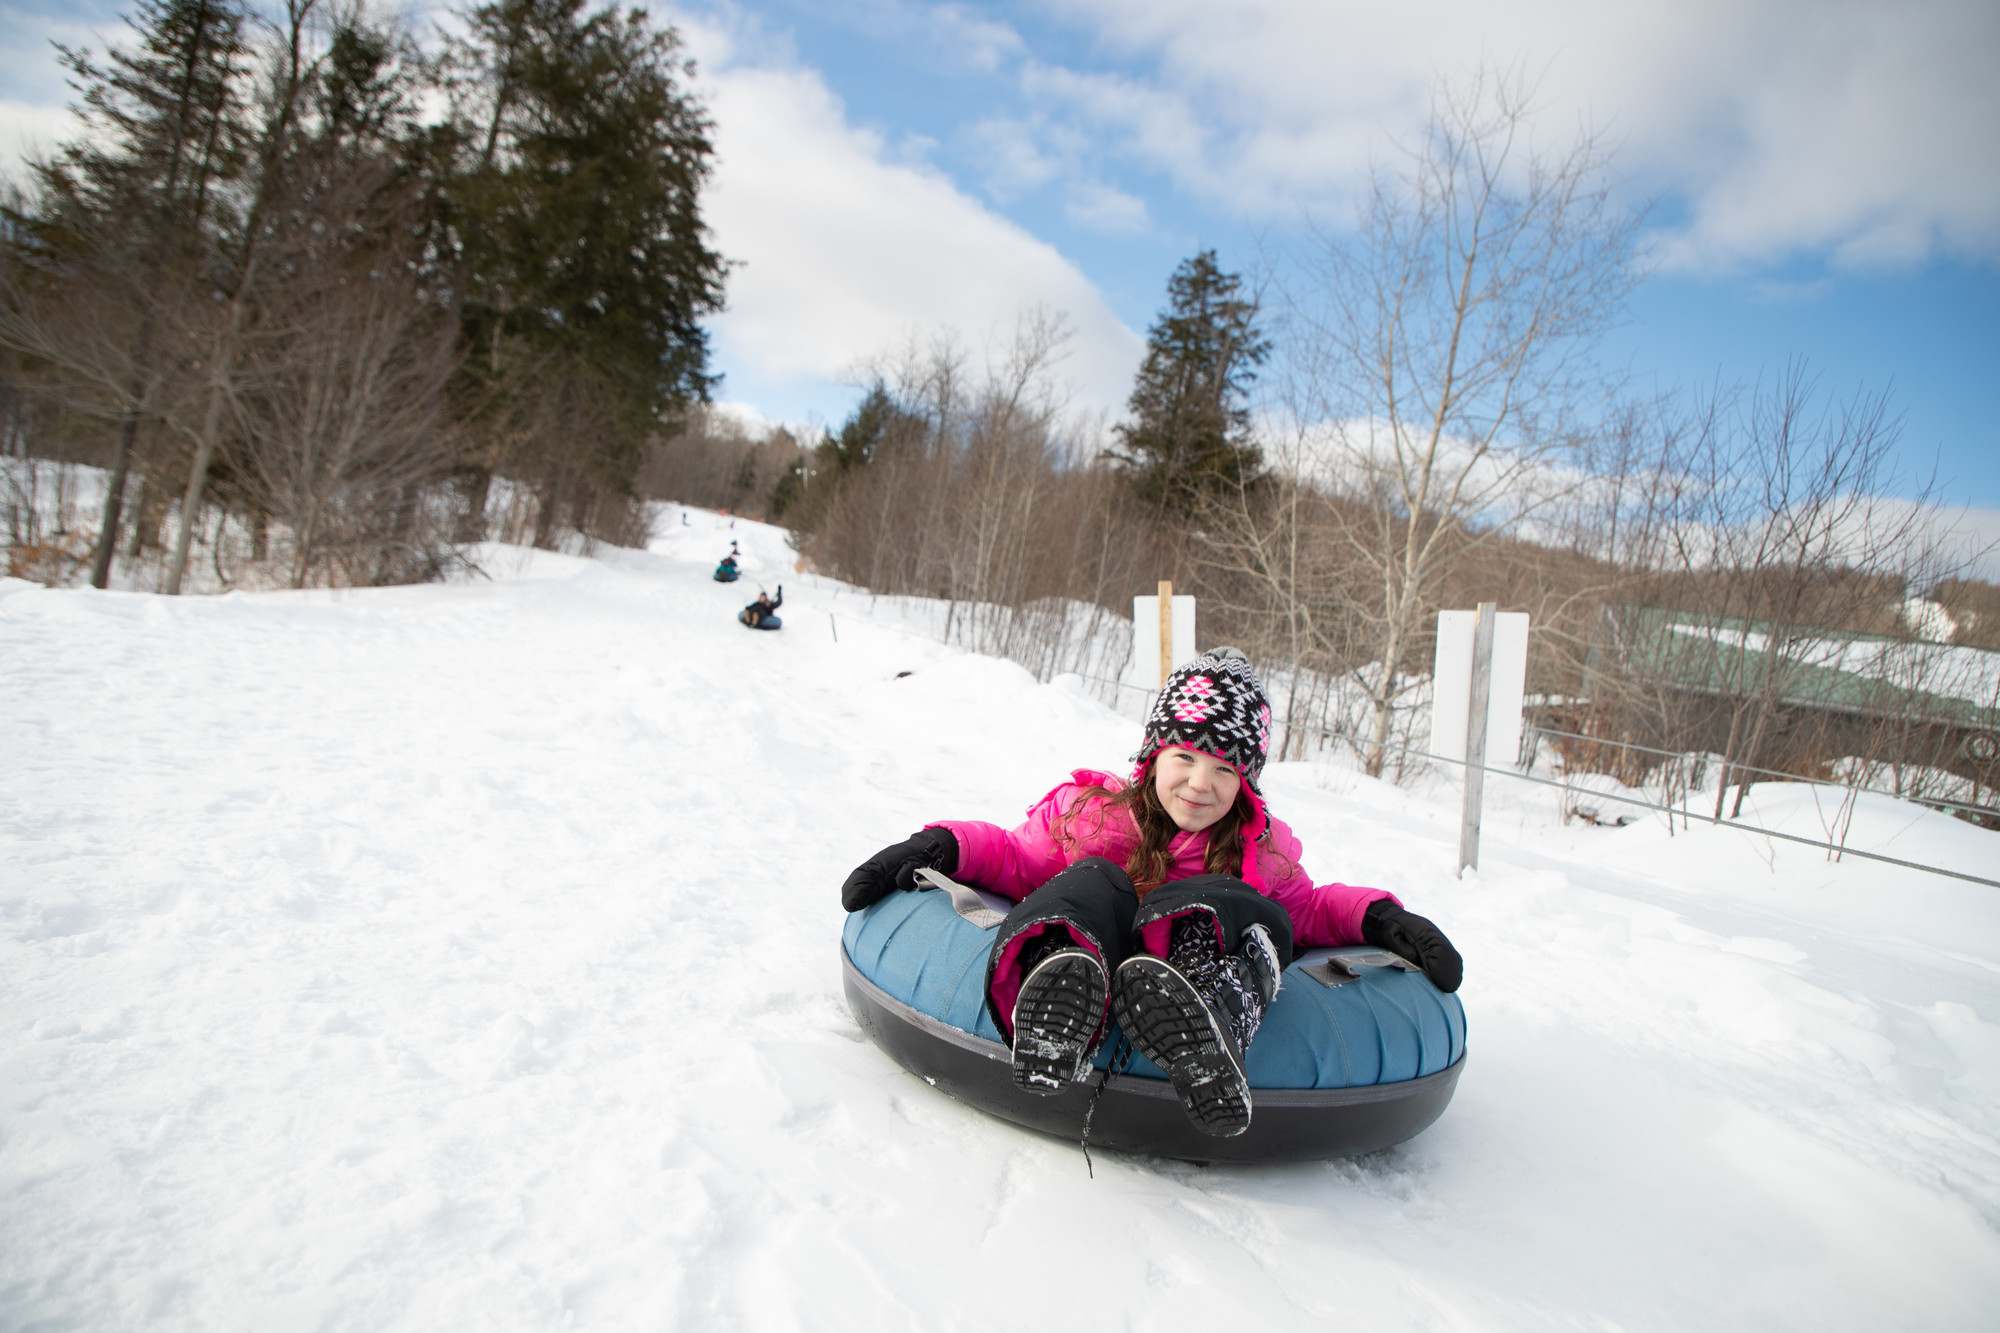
[545,518]
[222,364]
[1752,749]
[1728,759]
[197,479]
[472,527]
[142,510]
[307,534]
[114,500]
[1384,698]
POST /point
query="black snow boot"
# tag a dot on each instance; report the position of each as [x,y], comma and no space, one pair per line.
[1056,1015]
[1195,1011]
[1257,972]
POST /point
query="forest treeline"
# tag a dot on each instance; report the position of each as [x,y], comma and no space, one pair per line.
[303,284]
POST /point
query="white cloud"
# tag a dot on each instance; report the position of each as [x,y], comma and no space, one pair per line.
[31,132]
[755,424]
[1157,126]
[1101,207]
[848,252]
[981,42]
[1977,533]
[34,116]
[1014,158]
[1936,541]
[1927,542]
[1860,127]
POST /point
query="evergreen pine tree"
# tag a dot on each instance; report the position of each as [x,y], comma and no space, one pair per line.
[1190,433]
[136,197]
[879,422]
[166,127]
[877,425]
[580,265]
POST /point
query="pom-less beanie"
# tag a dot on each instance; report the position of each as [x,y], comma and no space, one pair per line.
[1216,705]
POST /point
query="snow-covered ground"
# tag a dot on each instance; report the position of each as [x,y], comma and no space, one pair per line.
[467,957]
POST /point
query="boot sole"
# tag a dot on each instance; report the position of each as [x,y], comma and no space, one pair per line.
[1058,1011]
[1171,1024]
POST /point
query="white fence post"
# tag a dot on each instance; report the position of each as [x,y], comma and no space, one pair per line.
[1481,652]
[1153,659]
[1477,712]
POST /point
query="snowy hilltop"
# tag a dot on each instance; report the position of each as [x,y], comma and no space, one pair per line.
[466,955]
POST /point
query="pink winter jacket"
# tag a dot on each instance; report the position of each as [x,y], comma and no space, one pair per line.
[1014,863]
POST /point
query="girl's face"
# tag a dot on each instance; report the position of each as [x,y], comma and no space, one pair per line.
[1196,789]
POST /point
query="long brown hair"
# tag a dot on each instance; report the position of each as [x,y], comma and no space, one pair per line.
[1150,862]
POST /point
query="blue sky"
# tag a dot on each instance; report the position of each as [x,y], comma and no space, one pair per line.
[1824,177]
[1815,230]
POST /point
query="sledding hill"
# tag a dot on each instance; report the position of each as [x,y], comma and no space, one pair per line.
[466,957]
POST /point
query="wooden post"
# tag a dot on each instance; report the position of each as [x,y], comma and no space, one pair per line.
[1166,631]
[1475,736]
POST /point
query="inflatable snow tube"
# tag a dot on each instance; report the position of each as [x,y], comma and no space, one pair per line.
[1354,1055]
[729,576]
[768,622]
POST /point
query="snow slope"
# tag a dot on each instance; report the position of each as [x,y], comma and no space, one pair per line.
[467,957]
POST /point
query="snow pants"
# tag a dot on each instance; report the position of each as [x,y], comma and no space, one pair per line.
[1093,902]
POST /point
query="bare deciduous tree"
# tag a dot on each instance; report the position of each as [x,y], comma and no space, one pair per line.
[1441,349]
[1774,530]
[714,462]
[976,487]
[341,408]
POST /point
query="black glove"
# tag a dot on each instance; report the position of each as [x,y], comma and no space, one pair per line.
[1417,938]
[896,867]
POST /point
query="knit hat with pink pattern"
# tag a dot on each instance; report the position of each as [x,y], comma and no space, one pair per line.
[1214,704]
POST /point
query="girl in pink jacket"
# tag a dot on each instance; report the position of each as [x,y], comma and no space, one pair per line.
[1174,899]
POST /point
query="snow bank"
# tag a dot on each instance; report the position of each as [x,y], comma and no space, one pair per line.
[465,956]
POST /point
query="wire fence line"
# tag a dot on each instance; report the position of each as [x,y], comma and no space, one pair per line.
[1837,849]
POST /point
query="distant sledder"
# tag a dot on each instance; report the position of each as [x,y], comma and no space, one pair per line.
[763,613]
[727,572]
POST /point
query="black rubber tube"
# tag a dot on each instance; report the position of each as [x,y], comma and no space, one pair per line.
[1142,1115]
